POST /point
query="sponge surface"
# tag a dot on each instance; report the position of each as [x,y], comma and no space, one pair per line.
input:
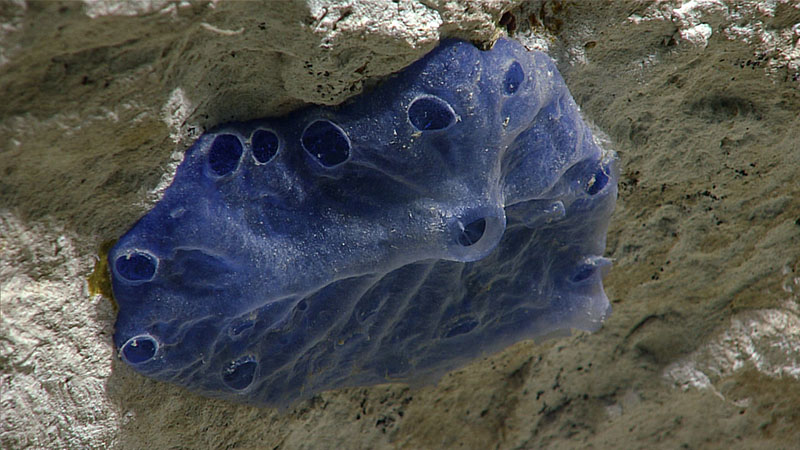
[457,208]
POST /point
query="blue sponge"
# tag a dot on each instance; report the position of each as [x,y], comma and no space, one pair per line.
[457,208]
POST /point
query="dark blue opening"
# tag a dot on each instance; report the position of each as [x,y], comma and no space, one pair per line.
[137,266]
[600,181]
[514,78]
[139,349]
[239,374]
[583,273]
[472,233]
[223,157]
[326,142]
[430,113]
[265,145]
[302,305]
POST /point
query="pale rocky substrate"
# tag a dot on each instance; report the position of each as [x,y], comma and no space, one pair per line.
[701,99]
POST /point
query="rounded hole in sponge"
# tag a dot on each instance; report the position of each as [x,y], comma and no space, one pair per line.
[265,145]
[239,374]
[136,266]
[139,349]
[224,154]
[514,78]
[582,273]
[430,114]
[472,232]
[598,182]
[326,142]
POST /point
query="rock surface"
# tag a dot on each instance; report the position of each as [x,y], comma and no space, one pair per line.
[701,99]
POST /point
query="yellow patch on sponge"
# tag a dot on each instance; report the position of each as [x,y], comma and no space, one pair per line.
[100,281]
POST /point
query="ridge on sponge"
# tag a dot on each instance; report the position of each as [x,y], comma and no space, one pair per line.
[459,207]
